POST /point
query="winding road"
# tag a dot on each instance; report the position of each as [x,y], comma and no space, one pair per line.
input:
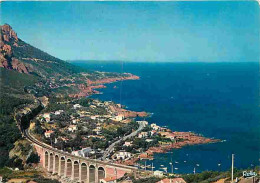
[142,124]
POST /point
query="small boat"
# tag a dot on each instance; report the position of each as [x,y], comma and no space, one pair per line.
[184,161]
[219,164]
[197,164]
[176,162]
[161,165]
[115,87]
[176,168]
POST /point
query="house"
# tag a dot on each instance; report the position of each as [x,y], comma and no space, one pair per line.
[173,180]
[97,131]
[155,127]
[118,117]
[75,121]
[143,135]
[158,173]
[122,155]
[92,106]
[72,128]
[149,140]
[76,106]
[128,143]
[64,139]
[48,133]
[47,117]
[153,132]
[109,180]
[83,152]
[144,122]
[58,112]
[163,129]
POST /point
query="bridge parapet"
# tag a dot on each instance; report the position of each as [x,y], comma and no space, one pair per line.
[77,168]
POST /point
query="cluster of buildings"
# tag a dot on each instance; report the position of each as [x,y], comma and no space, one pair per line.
[84,114]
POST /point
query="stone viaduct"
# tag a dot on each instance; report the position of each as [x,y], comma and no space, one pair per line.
[78,169]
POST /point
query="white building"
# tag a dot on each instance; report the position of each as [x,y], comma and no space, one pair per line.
[158,173]
[72,128]
[119,117]
[153,132]
[143,135]
[47,117]
[83,152]
[155,127]
[149,140]
[76,106]
[48,133]
[58,112]
[122,155]
[128,143]
[144,122]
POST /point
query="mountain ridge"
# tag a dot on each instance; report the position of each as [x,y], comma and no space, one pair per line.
[15,54]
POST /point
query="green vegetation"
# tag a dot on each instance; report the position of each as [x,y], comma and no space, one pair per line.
[26,175]
[12,95]
[33,158]
[47,66]
[212,176]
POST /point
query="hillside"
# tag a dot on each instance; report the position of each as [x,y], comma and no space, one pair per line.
[12,95]
[27,73]
[17,55]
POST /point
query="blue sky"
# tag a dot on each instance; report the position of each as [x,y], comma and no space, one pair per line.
[139,31]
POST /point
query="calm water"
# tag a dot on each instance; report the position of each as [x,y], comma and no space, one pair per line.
[218,100]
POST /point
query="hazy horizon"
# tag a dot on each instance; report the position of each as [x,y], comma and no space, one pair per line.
[139,31]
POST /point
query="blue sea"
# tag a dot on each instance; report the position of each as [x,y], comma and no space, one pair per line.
[219,100]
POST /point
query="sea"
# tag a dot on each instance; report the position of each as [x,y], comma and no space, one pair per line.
[217,100]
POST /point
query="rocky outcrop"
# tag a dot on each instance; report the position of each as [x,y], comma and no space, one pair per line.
[8,33]
[128,76]
[8,38]
[89,88]
[17,65]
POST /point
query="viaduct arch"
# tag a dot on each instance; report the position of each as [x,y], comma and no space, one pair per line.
[77,168]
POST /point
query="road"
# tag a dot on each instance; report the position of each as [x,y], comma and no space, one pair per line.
[111,147]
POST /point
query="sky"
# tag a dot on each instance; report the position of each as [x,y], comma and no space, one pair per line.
[226,31]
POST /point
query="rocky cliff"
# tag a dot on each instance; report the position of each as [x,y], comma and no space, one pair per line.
[17,55]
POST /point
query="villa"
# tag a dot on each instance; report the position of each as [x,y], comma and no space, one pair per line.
[109,180]
[72,128]
[48,133]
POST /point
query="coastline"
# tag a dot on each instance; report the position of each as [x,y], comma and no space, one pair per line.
[90,86]
[187,138]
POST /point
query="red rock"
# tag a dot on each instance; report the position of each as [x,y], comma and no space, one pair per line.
[3,61]
[7,49]
[20,67]
[8,33]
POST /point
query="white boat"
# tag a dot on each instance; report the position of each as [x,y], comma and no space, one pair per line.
[197,164]
[176,168]
[176,162]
